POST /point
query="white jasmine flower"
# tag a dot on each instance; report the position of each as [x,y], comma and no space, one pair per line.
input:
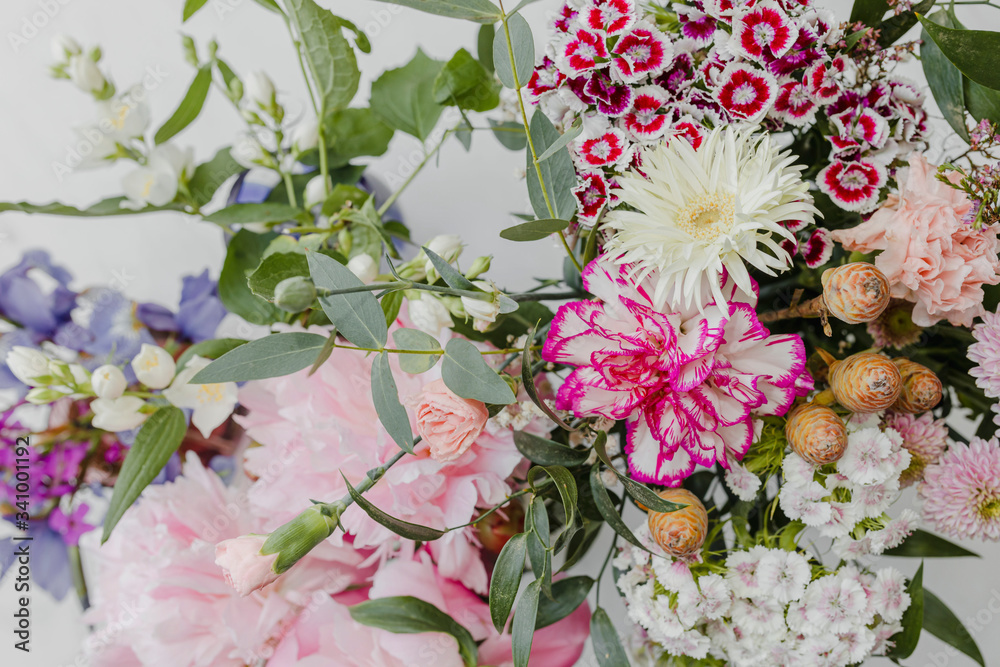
[364,267]
[27,364]
[483,312]
[124,116]
[118,414]
[153,366]
[108,382]
[742,482]
[699,213]
[316,191]
[784,575]
[429,314]
[250,154]
[156,182]
[85,74]
[64,47]
[305,136]
[447,246]
[867,457]
[260,90]
[212,403]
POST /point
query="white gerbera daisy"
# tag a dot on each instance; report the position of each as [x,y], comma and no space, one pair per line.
[693,214]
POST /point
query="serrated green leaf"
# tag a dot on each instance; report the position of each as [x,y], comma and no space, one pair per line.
[404,98]
[516,74]
[506,579]
[191,7]
[327,53]
[479,11]
[390,411]
[410,615]
[352,133]
[941,622]
[413,339]
[557,172]
[640,492]
[357,316]
[269,5]
[210,176]
[410,531]
[157,439]
[272,356]
[535,230]
[976,53]
[607,645]
[523,626]
[546,452]
[275,268]
[102,209]
[189,107]
[466,83]
[922,544]
[913,619]
[567,595]
[241,214]
[209,349]
[243,255]
[465,373]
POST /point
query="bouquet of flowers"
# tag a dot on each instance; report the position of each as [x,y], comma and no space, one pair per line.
[773,314]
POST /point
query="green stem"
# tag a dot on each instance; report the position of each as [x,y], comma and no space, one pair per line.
[79,580]
[374,287]
[287,178]
[531,143]
[395,195]
[541,296]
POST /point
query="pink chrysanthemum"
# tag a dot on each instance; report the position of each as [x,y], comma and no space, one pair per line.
[924,437]
[986,353]
[689,382]
[961,492]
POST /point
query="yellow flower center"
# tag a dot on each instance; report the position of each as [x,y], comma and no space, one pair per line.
[990,509]
[210,393]
[707,216]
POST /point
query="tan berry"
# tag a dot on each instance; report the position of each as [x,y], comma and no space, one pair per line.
[816,433]
[865,382]
[856,292]
[921,387]
[680,533]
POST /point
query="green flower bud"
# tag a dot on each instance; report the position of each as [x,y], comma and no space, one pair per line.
[190,50]
[298,537]
[295,294]
[345,241]
[480,266]
[43,396]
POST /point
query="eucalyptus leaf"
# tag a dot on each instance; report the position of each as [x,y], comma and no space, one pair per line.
[640,492]
[535,230]
[158,438]
[557,172]
[523,627]
[514,33]
[390,411]
[414,339]
[410,531]
[209,349]
[465,373]
[189,107]
[449,273]
[913,619]
[409,615]
[357,316]
[941,622]
[327,53]
[404,98]
[272,356]
[607,644]
[506,579]
[480,11]
[242,214]
[571,133]
[546,452]
[976,53]
[324,354]
[510,135]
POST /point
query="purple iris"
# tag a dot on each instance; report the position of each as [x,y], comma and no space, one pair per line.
[49,558]
[198,315]
[26,302]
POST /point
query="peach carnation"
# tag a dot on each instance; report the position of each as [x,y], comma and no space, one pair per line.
[930,256]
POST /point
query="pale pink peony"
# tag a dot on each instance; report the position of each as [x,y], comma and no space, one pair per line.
[930,256]
[689,383]
[448,423]
[312,428]
[961,492]
[159,599]
[245,568]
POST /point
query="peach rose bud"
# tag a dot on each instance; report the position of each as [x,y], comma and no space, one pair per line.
[865,382]
[682,533]
[448,423]
[246,569]
[816,433]
[922,389]
[856,292]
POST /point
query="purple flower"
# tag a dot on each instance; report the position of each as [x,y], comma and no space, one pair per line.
[70,526]
[198,315]
[26,302]
[49,558]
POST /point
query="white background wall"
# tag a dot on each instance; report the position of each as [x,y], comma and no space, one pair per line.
[472,193]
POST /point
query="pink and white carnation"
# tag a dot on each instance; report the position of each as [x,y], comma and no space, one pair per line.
[688,383]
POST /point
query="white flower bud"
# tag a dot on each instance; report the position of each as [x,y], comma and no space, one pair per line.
[260,90]
[483,312]
[85,74]
[447,246]
[429,315]
[364,267]
[154,367]
[315,192]
[108,382]
[27,363]
[64,47]
[305,136]
[248,152]
[118,414]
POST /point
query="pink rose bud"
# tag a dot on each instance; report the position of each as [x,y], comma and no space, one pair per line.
[246,569]
[448,423]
